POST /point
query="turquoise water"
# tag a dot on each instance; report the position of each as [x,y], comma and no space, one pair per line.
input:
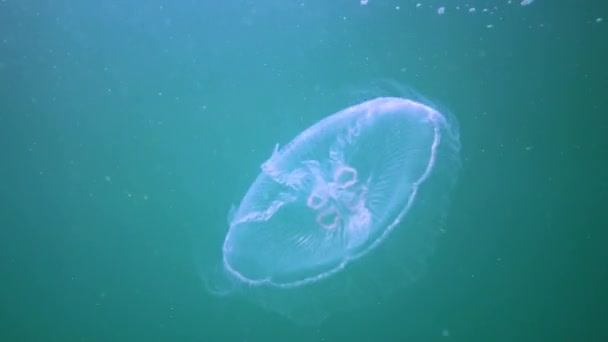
[128,129]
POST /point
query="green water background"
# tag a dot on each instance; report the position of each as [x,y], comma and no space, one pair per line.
[128,129]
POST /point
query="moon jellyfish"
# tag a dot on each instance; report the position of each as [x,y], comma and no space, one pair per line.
[345,213]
